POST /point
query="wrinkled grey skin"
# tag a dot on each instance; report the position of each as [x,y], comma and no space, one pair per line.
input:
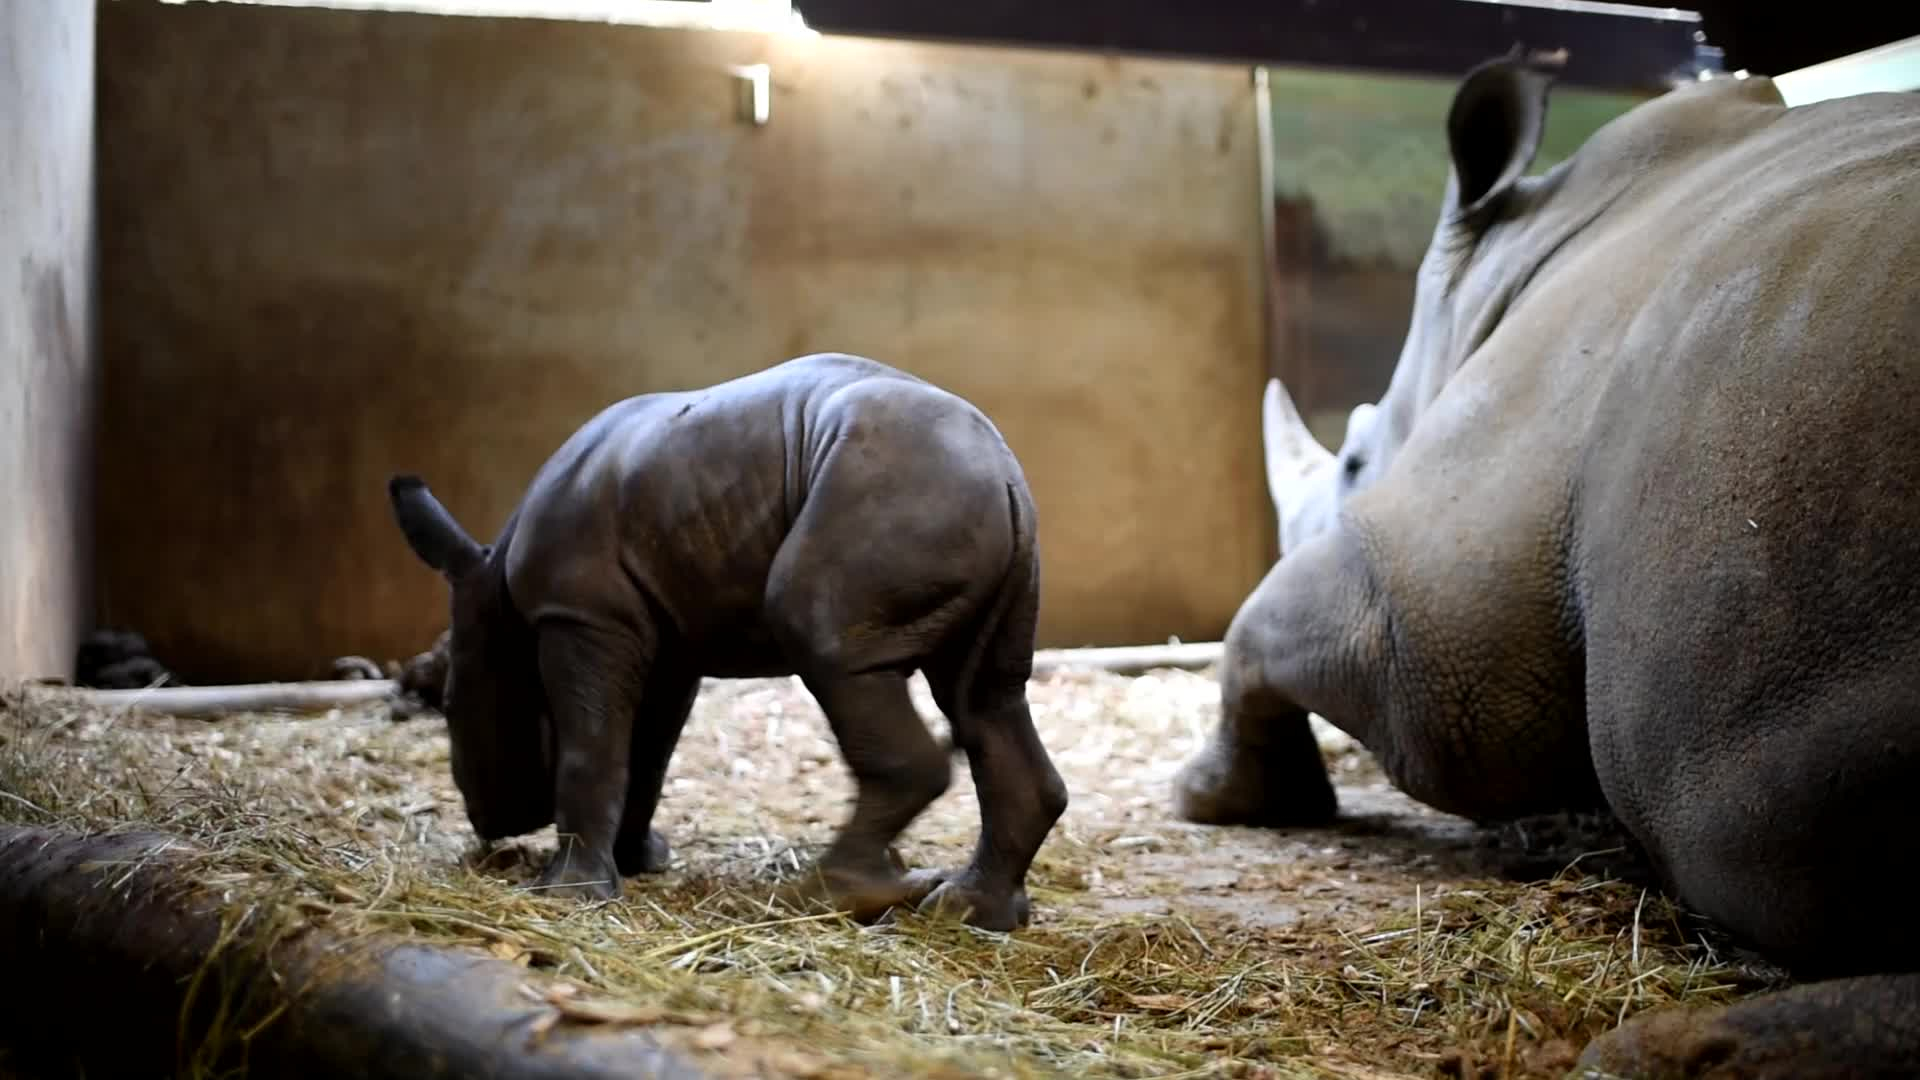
[828,517]
[1639,528]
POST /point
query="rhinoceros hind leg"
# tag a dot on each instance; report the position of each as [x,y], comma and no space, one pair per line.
[1272,777]
[1021,796]
[898,770]
[1858,1027]
[639,848]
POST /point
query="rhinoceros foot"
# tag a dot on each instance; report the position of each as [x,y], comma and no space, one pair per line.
[864,894]
[961,895]
[653,857]
[574,874]
[1223,785]
[1861,1027]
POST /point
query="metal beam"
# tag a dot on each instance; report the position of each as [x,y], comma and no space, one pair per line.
[1893,67]
[1608,45]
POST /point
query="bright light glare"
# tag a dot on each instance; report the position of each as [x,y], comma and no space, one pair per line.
[757,16]
[1890,68]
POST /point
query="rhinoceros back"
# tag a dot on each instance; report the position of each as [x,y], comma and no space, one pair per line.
[677,503]
[1750,531]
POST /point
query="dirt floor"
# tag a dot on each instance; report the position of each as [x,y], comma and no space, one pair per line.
[1399,942]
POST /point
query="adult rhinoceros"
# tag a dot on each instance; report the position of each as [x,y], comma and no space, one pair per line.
[1637,524]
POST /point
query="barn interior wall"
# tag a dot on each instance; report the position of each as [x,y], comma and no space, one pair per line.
[342,243]
[46,333]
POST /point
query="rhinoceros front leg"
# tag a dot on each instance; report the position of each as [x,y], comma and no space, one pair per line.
[898,770]
[1866,1026]
[1262,766]
[639,848]
[592,679]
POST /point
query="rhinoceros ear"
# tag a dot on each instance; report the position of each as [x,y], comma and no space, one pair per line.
[431,532]
[1493,131]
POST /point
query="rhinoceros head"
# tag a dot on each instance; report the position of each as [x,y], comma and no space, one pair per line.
[493,700]
[1494,128]
[1305,481]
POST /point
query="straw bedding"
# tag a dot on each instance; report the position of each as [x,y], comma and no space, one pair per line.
[1397,943]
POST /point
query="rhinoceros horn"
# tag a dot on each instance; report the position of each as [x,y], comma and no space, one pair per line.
[1360,422]
[1294,457]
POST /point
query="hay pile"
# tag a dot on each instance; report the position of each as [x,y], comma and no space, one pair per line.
[1386,946]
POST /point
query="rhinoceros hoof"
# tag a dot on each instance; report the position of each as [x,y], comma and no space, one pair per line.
[1215,789]
[864,895]
[1669,1043]
[654,856]
[578,879]
[958,897]
[1817,1030]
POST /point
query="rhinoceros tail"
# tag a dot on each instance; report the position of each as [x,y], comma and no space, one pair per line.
[1002,645]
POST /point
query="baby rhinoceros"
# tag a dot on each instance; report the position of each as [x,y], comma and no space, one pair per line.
[829,517]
